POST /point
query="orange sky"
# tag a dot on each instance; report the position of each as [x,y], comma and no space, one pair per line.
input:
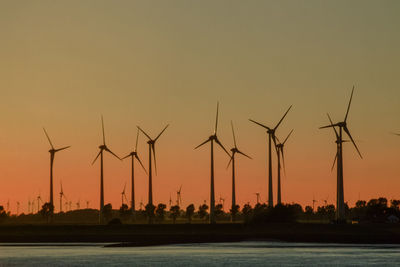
[152,63]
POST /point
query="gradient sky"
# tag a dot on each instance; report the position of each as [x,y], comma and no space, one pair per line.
[149,63]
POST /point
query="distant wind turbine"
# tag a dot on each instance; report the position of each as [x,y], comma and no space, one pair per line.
[52,152]
[62,195]
[102,148]
[340,208]
[123,195]
[213,138]
[234,150]
[134,155]
[280,151]
[152,149]
[271,138]
[179,197]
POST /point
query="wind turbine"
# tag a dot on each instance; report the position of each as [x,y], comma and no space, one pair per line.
[78,204]
[61,196]
[134,155]
[271,138]
[313,203]
[279,151]
[52,152]
[102,148]
[152,148]
[87,204]
[17,207]
[179,197]
[213,138]
[258,197]
[234,150]
[39,200]
[29,206]
[340,208]
[123,195]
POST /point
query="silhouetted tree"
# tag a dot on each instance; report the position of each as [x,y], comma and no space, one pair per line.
[3,214]
[150,208]
[107,212]
[218,211]
[308,210]
[203,211]
[247,211]
[189,212]
[160,212]
[174,212]
[47,210]
[234,211]
[377,210]
[124,212]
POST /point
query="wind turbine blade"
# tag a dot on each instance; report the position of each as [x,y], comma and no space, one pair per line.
[240,152]
[161,132]
[283,160]
[329,126]
[153,147]
[334,161]
[62,148]
[230,160]
[92,162]
[140,162]
[352,140]
[287,137]
[233,133]
[108,150]
[180,188]
[144,133]
[124,188]
[127,156]
[348,107]
[216,120]
[102,127]
[262,125]
[202,144]
[219,143]
[137,140]
[336,133]
[48,138]
[283,117]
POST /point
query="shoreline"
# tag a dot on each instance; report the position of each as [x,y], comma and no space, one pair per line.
[158,234]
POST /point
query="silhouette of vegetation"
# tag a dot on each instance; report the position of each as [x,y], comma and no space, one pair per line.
[174,213]
[203,211]
[149,211]
[189,212]
[234,211]
[160,212]
[107,212]
[124,212]
[3,214]
[47,211]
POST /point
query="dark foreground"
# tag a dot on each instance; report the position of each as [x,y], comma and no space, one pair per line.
[147,235]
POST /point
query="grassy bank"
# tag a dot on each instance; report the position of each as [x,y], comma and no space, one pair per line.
[192,233]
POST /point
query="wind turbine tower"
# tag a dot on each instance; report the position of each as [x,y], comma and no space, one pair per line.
[213,138]
[103,147]
[134,155]
[234,150]
[271,138]
[52,152]
[279,152]
[152,149]
[340,208]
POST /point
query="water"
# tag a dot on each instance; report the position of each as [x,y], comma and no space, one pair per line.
[220,254]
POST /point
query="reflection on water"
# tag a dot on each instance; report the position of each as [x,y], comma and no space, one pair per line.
[226,254]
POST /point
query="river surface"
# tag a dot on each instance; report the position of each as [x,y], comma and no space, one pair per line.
[218,254]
